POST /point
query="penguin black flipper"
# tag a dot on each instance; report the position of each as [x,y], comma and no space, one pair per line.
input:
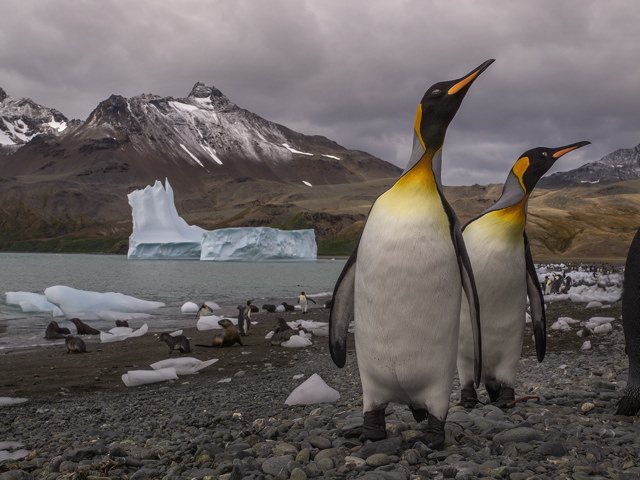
[536,303]
[469,287]
[629,404]
[342,311]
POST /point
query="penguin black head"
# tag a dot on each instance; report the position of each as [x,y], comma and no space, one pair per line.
[534,163]
[440,104]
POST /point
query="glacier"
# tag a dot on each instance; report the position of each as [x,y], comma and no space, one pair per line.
[160,233]
[258,244]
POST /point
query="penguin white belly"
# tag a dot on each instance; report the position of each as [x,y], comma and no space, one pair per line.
[500,274]
[407,305]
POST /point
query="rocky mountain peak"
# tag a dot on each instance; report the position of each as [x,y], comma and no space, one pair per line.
[219,101]
[3,95]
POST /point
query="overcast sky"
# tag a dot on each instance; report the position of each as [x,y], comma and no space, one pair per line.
[351,70]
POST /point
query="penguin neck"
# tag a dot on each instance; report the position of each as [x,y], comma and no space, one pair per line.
[415,190]
[508,221]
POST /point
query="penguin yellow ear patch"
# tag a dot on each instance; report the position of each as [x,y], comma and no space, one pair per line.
[519,168]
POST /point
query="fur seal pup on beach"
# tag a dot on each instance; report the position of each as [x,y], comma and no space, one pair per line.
[410,253]
[506,276]
[55,331]
[179,342]
[287,307]
[283,332]
[75,344]
[229,337]
[83,328]
[243,320]
[269,308]
[303,300]
[629,404]
[122,323]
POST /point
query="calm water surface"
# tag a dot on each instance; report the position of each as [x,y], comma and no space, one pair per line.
[172,282]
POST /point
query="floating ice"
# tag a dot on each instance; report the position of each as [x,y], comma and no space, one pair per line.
[184,365]
[29,302]
[95,305]
[4,401]
[189,307]
[258,244]
[158,231]
[313,390]
[134,378]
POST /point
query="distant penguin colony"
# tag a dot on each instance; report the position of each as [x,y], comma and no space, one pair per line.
[505,276]
[410,253]
[629,404]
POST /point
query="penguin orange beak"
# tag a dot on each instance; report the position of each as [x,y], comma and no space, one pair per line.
[569,148]
[468,79]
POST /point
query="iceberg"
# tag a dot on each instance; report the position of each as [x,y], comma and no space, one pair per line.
[158,231]
[258,244]
[98,306]
[29,302]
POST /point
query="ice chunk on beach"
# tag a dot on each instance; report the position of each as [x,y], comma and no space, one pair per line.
[134,378]
[189,307]
[8,450]
[29,302]
[5,401]
[313,390]
[118,334]
[158,231]
[258,244]
[184,365]
[210,322]
[297,341]
[96,306]
[594,322]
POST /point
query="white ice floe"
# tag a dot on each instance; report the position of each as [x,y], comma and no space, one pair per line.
[184,365]
[189,307]
[29,302]
[4,401]
[134,378]
[210,322]
[119,334]
[313,390]
[88,305]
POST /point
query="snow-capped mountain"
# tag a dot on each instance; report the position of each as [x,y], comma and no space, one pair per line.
[201,138]
[623,164]
[21,120]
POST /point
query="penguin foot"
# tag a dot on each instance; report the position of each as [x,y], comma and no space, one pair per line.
[506,397]
[374,427]
[433,434]
[468,397]
[419,414]
[629,404]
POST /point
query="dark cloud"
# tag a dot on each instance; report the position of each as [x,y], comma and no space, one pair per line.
[352,71]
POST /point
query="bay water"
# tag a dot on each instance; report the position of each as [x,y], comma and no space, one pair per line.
[173,282]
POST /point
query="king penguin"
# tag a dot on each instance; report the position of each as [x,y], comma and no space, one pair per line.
[410,253]
[630,402]
[505,275]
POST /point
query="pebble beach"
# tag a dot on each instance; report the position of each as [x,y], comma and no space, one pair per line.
[229,421]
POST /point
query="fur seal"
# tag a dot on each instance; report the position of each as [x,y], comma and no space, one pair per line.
[269,308]
[283,332]
[55,331]
[229,337]
[83,328]
[75,344]
[122,323]
[287,307]
[179,342]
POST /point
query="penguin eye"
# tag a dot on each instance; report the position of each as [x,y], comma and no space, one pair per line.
[436,92]
[544,154]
